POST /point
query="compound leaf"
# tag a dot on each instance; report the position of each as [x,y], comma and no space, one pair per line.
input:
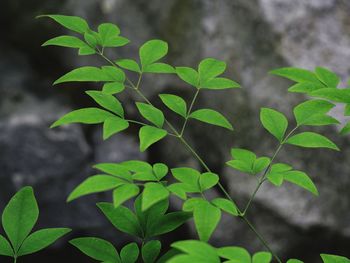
[20,216]
[41,239]
[175,103]
[149,135]
[274,122]
[95,184]
[212,117]
[311,140]
[97,249]
[206,218]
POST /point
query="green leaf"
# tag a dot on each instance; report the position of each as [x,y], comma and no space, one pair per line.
[168,255]
[311,140]
[275,122]
[123,193]
[329,78]
[346,129]
[73,23]
[210,68]
[137,166]
[113,125]
[95,184]
[234,253]
[160,170]
[20,216]
[179,190]
[189,75]
[208,180]
[109,35]
[190,204]
[114,169]
[212,117]
[129,64]
[149,135]
[151,113]
[188,176]
[90,39]
[261,164]
[93,74]
[326,258]
[206,218]
[296,74]
[201,251]
[41,239]
[244,155]
[276,173]
[122,218]
[219,83]
[69,41]
[150,251]
[107,101]
[129,253]
[175,103]
[294,261]
[113,87]
[306,87]
[97,249]
[313,112]
[152,51]
[335,95]
[5,247]
[225,205]
[245,161]
[85,115]
[262,257]
[159,68]
[168,223]
[301,179]
[152,194]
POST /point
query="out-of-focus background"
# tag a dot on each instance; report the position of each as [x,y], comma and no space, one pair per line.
[253,37]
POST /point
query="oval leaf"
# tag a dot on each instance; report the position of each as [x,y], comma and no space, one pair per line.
[212,117]
[275,122]
[311,140]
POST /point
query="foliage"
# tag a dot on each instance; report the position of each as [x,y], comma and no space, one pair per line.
[149,186]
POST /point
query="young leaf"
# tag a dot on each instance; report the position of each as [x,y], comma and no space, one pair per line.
[122,219]
[208,180]
[311,140]
[149,135]
[212,117]
[107,101]
[95,184]
[188,75]
[73,23]
[152,194]
[262,257]
[41,239]
[301,179]
[128,64]
[151,113]
[326,258]
[152,51]
[219,83]
[124,193]
[150,251]
[160,170]
[200,251]
[175,103]
[85,115]
[114,169]
[5,247]
[296,74]
[275,122]
[113,125]
[159,68]
[97,249]
[210,68]
[234,253]
[206,218]
[20,216]
[313,112]
[225,205]
[113,87]
[329,78]
[129,253]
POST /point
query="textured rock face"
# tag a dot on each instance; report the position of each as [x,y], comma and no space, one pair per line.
[253,37]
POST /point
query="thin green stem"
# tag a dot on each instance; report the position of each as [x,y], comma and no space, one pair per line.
[14,259]
[189,112]
[263,177]
[261,238]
